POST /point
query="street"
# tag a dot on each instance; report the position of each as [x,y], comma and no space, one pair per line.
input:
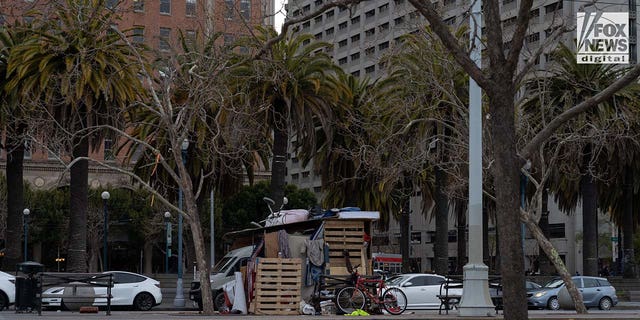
[186,315]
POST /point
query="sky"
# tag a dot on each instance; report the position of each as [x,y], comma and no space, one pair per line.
[280,13]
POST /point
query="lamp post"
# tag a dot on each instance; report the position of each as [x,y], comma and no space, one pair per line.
[25,222]
[167,216]
[105,196]
[178,301]
[475,301]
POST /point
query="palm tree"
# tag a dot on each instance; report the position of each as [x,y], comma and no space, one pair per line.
[14,119]
[596,138]
[291,82]
[434,103]
[85,74]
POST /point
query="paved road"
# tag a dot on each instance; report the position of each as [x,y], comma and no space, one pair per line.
[194,315]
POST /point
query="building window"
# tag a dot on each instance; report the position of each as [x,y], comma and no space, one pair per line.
[356,73]
[306,25]
[551,8]
[416,237]
[190,37]
[138,34]
[138,5]
[165,34]
[28,151]
[384,26]
[448,3]
[342,61]
[451,21]
[369,51]
[505,2]
[317,19]
[305,174]
[355,56]
[342,26]
[229,9]
[556,230]
[452,236]
[317,189]
[370,14]
[509,22]
[370,69]
[329,31]
[370,32]
[318,3]
[355,38]
[535,13]
[398,20]
[342,43]
[383,8]
[295,176]
[165,6]
[318,36]
[534,37]
[245,9]
[383,46]
[190,9]
[229,38]
[108,150]
[355,20]
[306,8]
[329,14]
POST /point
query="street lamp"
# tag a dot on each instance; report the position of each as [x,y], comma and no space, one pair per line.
[178,301]
[105,196]
[25,223]
[167,216]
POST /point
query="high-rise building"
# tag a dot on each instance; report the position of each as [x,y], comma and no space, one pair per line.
[362,33]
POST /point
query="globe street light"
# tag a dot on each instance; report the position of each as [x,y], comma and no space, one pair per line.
[167,216]
[25,223]
[178,301]
[105,196]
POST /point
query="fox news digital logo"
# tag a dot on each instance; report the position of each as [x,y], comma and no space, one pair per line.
[603,37]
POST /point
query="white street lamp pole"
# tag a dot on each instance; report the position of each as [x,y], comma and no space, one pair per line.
[25,223]
[475,301]
[105,196]
[178,301]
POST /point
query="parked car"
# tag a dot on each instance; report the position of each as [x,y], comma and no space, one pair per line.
[421,289]
[7,290]
[530,286]
[596,292]
[222,273]
[129,289]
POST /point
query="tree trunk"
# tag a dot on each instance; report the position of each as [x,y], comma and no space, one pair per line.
[461,239]
[404,237]
[555,259]
[627,226]
[441,245]
[79,192]
[589,226]
[545,265]
[148,257]
[15,199]
[279,161]
[506,174]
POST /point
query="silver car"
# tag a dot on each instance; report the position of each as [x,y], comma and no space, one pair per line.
[596,292]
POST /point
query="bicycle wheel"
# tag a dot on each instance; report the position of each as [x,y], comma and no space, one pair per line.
[349,299]
[394,301]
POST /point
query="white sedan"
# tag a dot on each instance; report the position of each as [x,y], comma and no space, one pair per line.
[129,289]
[7,290]
[421,289]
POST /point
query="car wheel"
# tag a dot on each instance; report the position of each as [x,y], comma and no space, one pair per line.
[605,304]
[219,302]
[144,301]
[4,301]
[553,304]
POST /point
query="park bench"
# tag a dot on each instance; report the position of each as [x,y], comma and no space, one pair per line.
[74,281]
[450,292]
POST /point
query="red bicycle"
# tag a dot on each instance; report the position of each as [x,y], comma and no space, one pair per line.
[349,299]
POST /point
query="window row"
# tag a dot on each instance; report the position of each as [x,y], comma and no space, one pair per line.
[164,36]
[165,6]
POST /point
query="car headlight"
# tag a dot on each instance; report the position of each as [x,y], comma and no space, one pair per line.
[539,294]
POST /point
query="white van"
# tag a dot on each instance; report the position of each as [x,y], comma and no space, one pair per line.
[222,273]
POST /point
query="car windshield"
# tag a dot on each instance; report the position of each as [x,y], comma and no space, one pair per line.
[554,283]
[222,265]
[394,281]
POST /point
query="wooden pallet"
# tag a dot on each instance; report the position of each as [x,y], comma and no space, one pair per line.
[341,235]
[277,286]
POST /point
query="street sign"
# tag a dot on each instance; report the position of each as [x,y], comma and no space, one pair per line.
[614,239]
